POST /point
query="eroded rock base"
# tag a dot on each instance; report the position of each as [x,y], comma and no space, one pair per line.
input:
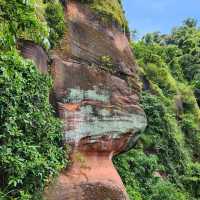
[90,177]
[89,191]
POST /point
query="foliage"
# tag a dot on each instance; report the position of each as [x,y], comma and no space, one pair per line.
[109,11]
[142,177]
[169,64]
[55,20]
[106,62]
[42,23]
[20,20]
[163,136]
[192,179]
[164,190]
[30,136]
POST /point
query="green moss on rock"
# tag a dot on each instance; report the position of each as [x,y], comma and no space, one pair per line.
[109,10]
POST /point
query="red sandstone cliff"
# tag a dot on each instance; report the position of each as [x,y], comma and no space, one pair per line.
[98,104]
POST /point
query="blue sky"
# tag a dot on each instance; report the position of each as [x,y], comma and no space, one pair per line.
[159,15]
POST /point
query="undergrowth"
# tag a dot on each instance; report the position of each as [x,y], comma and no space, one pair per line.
[165,161]
[31,151]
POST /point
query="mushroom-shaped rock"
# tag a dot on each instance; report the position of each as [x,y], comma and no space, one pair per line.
[97,100]
[99,107]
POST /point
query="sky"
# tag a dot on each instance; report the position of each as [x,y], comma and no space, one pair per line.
[159,15]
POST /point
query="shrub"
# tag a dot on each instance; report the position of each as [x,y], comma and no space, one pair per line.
[55,20]
[137,169]
[164,190]
[30,136]
[169,67]
[162,78]
[106,62]
[21,21]
[192,179]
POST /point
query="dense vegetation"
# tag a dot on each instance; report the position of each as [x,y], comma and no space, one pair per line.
[42,23]
[166,161]
[30,135]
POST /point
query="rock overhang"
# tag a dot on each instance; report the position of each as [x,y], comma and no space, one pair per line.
[94,103]
[100,109]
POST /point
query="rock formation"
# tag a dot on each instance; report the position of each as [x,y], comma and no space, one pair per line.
[95,93]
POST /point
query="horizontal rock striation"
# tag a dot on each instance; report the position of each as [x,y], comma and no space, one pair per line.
[95,93]
[98,103]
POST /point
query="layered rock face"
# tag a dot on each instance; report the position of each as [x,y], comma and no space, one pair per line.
[98,103]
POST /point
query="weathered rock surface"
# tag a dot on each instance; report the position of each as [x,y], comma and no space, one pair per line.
[98,105]
[94,103]
[99,108]
[35,53]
